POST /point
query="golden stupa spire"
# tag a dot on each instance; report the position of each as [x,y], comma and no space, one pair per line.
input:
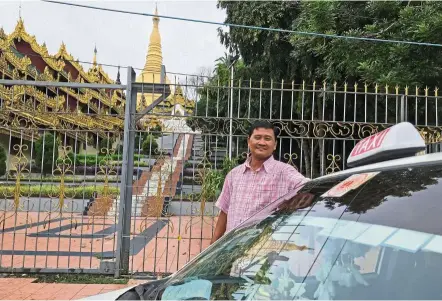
[154,58]
[20,24]
[95,56]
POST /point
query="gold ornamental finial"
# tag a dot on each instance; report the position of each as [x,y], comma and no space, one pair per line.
[156,18]
[95,56]
[62,49]
[154,58]
[2,33]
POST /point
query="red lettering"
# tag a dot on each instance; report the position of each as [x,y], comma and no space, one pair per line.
[369,143]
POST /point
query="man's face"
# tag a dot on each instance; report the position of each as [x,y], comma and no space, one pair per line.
[262,143]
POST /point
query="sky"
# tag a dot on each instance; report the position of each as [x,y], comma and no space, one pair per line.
[122,39]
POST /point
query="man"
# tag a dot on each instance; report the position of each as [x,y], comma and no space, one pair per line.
[251,186]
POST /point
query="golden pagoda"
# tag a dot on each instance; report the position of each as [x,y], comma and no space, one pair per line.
[154,73]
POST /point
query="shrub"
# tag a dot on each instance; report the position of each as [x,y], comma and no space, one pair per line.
[156,131]
[213,179]
[46,152]
[3,159]
[150,145]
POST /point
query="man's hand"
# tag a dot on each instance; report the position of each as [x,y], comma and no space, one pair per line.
[220,227]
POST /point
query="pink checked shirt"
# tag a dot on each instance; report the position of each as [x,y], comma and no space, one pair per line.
[245,192]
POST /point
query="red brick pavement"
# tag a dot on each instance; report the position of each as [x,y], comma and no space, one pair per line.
[173,246]
[25,289]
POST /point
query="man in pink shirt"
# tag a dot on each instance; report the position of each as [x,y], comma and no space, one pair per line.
[253,185]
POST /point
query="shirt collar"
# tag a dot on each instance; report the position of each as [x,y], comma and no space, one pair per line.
[267,165]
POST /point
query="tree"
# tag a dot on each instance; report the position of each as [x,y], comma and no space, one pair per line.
[193,82]
[46,152]
[266,53]
[306,57]
[3,159]
[277,56]
[150,145]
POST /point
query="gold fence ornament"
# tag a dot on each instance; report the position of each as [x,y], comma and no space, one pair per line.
[204,171]
[107,168]
[20,164]
[63,166]
[333,166]
[291,158]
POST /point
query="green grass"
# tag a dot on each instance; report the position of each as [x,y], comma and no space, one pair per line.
[79,279]
[54,191]
[67,179]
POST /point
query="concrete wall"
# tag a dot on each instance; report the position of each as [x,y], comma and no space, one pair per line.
[178,208]
[90,150]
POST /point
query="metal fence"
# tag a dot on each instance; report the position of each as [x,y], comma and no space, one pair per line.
[132,190]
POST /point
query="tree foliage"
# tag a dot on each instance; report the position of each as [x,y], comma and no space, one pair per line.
[3,159]
[150,145]
[297,56]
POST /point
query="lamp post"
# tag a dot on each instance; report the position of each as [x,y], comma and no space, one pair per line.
[232,60]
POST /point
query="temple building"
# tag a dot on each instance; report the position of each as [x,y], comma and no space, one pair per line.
[79,116]
[97,114]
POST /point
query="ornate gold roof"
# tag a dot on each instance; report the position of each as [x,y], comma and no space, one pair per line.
[55,64]
[20,33]
[178,98]
[65,55]
[2,34]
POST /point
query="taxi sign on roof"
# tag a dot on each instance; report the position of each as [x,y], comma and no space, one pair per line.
[398,141]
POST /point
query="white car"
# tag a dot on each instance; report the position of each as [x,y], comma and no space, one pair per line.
[369,232]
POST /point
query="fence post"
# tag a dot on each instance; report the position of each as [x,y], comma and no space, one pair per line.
[231,111]
[125,208]
[403,109]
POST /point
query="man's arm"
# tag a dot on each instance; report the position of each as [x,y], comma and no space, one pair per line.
[220,228]
[295,178]
[223,204]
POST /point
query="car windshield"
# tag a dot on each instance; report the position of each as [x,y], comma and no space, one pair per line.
[380,240]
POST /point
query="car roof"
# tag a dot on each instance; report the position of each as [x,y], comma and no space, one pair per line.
[419,160]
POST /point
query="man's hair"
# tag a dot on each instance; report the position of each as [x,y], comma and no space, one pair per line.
[262,124]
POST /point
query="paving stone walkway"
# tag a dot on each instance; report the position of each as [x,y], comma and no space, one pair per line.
[25,289]
[77,242]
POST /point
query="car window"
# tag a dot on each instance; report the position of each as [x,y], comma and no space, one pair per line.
[381,240]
